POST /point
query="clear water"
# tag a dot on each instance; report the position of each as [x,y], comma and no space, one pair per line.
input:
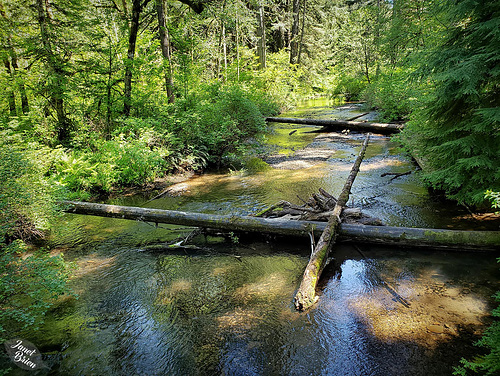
[225,307]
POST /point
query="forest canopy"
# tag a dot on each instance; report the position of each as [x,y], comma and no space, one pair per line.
[107,83]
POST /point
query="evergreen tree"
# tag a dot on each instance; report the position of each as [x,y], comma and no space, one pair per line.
[457,130]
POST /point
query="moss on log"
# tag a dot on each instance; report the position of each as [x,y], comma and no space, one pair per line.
[397,236]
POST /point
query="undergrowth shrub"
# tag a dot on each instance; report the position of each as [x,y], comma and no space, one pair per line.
[393,95]
[134,156]
[221,124]
[349,88]
[30,283]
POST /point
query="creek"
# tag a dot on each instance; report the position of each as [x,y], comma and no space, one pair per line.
[225,306]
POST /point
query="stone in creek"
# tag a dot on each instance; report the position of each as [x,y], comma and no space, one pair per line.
[437,329]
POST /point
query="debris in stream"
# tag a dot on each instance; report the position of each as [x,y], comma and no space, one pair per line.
[318,207]
[396,174]
[388,287]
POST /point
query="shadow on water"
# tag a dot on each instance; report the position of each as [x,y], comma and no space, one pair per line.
[225,307]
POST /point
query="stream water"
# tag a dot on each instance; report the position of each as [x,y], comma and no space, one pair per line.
[225,306]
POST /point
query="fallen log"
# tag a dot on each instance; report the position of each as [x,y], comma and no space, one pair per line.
[306,294]
[382,128]
[388,235]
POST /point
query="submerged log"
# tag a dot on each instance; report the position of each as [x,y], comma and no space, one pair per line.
[382,128]
[388,235]
[306,294]
[357,116]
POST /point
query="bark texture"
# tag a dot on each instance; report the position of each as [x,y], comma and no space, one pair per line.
[306,294]
[397,236]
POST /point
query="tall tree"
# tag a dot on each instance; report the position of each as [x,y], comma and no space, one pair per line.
[166,48]
[457,131]
[294,37]
[137,8]
[11,65]
[10,90]
[55,64]
[261,34]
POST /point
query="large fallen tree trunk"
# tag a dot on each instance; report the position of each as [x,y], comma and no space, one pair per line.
[382,128]
[306,294]
[398,236]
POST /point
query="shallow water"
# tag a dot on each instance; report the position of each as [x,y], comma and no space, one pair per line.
[225,307]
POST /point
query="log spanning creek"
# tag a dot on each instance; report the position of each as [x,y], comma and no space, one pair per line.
[224,305]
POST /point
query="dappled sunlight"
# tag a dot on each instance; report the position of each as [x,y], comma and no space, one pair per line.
[233,183]
[167,294]
[240,320]
[304,158]
[437,311]
[221,270]
[269,287]
[380,164]
[92,263]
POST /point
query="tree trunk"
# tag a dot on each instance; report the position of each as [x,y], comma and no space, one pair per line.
[382,128]
[55,67]
[109,86]
[397,236]
[129,65]
[224,50]
[10,91]
[261,35]
[302,30]
[22,90]
[166,48]
[306,294]
[366,55]
[237,45]
[294,38]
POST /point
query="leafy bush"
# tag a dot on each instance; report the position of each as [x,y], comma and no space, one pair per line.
[494,197]
[220,124]
[29,283]
[394,95]
[350,87]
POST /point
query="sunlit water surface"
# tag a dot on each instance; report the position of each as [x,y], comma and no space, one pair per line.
[225,307]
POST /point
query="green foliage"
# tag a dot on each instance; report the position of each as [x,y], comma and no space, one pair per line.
[219,124]
[284,82]
[29,283]
[26,198]
[457,128]
[494,197]
[394,95]
[349,88]
[137,154]
[212,126]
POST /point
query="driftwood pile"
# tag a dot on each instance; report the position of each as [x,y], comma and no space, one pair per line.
[319,207]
